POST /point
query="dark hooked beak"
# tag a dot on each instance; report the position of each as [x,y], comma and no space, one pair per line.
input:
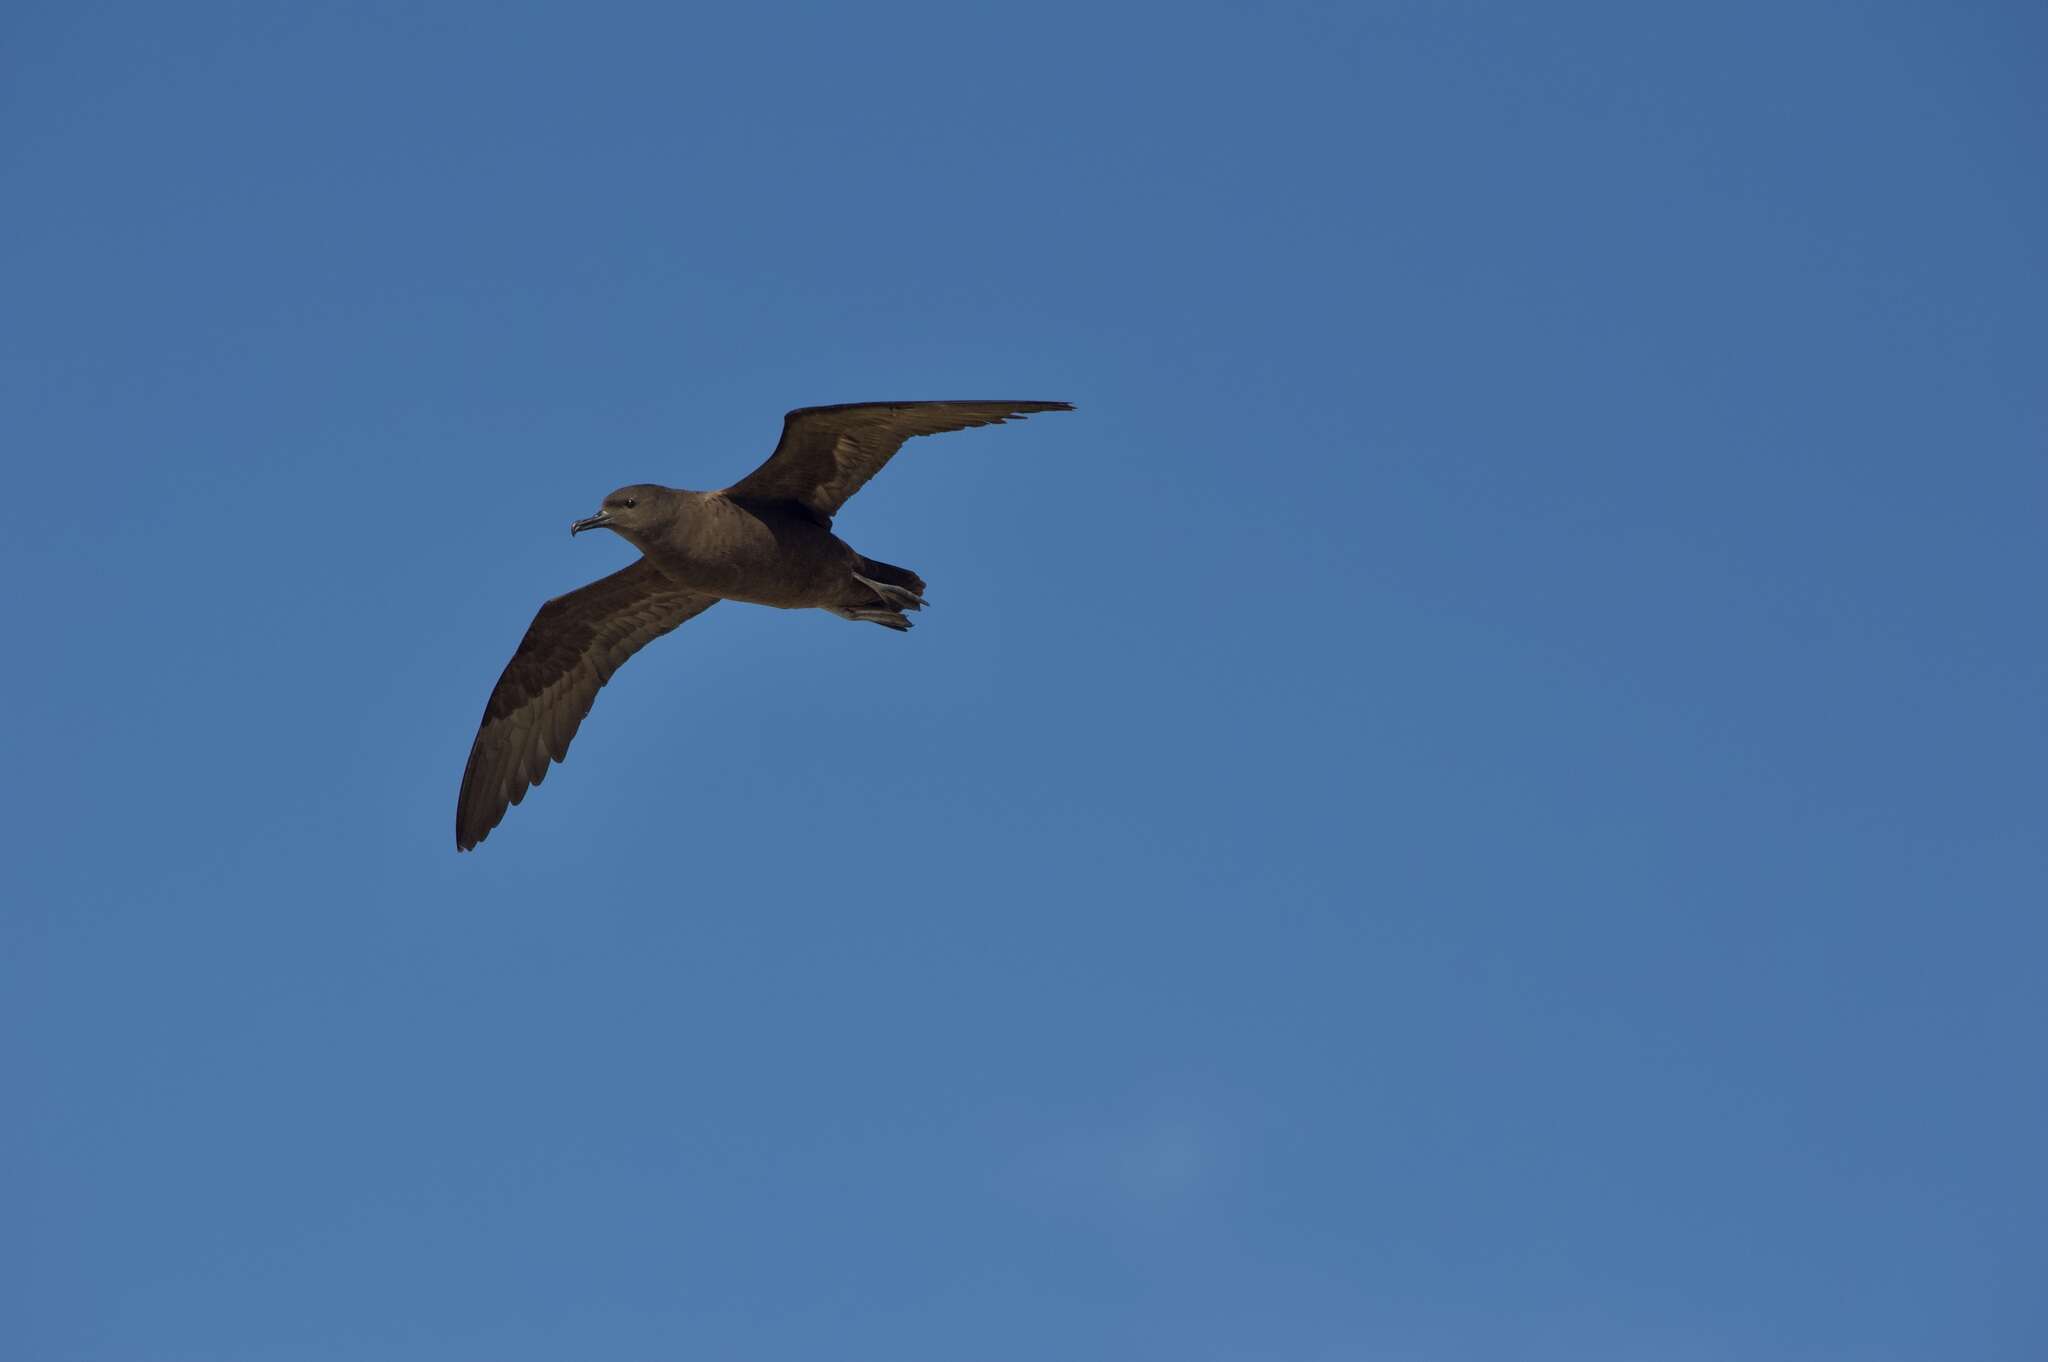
[595,522]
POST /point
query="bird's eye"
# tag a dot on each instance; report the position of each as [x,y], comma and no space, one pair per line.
[629,503]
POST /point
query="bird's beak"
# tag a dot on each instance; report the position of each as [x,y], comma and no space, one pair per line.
[595,522]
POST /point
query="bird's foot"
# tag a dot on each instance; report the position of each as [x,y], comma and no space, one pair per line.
[900,597]
[888,619]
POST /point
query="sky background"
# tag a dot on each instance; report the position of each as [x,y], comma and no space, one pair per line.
[1483,797]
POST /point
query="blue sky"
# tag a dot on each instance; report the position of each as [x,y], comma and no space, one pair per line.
[1482,797]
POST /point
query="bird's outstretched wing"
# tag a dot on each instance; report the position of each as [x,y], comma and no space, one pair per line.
[828,453]
[570,650]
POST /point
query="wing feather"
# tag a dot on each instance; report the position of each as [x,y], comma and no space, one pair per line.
[826,454]
[574,645]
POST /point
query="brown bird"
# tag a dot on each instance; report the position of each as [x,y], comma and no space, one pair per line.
[766,539]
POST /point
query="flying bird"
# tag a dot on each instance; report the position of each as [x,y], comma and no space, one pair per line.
[767,539]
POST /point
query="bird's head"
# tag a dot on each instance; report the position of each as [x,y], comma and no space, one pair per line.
[631,511]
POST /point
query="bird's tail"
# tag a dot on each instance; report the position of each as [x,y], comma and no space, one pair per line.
[893,575]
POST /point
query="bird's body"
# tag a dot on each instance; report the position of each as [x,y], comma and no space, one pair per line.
[764,553]
[766,540]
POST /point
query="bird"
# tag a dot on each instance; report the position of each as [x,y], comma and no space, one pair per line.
[766,540]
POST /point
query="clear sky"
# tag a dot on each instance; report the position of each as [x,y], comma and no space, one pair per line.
[1483,797]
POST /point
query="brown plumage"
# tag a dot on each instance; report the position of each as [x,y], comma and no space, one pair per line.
[767,539]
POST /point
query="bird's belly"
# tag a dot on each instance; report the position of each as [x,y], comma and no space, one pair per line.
[763,574]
